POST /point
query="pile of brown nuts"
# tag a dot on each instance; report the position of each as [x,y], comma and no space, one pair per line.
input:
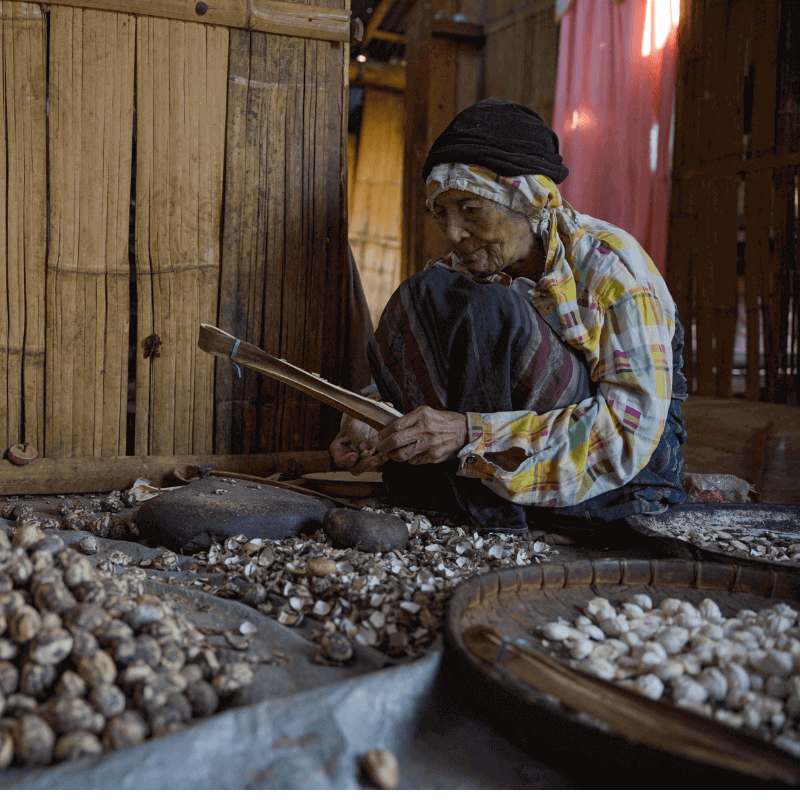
[393,601]
[89,662]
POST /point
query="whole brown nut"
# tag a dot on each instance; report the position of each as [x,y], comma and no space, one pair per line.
[41,561]
[111,632]
[88,545]
[108,699]
[150,695]
[164,630]
[84,643]
[19,567]
[126,730]
[6,748]
[77,744]
[136,673]
[33,741]
[70,684]
[67,714]
[25,536]
[50,543]
[119,530]
[22,510]
[53,596]
[50,646]
[172,657]
[97,668]
[91,592]
[10,602]
[175,682]
[8,650]
[19,705]
[126,651]
[143,613]
[253,594]
[24,624]
[87,616]
[9,678]
[36,679]
[119,605]
[149,650]
[6,584]
[320,567]
[72,521]
[203,698]
[51,621]
[79,571]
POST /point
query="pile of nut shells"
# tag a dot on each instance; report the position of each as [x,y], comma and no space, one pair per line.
[97,515]
[394,602]
[91,662]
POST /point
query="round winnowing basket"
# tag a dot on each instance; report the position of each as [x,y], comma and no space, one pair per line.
[492,627]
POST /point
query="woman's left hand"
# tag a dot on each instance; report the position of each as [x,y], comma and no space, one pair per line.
[424,436]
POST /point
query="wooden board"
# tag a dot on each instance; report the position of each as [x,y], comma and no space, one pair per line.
[23,224]
[283,261]
[88,311]
[181,92]
[81,475]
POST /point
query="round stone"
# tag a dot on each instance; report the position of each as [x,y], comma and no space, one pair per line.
[365,530]
[210,510]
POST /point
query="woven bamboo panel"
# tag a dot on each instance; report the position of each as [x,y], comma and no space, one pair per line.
[735,172]
[283,261]
[23,223]
[180,144]
[375,223]
[91,113]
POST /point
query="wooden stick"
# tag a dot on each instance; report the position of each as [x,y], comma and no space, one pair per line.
[637,718]
[219,343]
[78,475]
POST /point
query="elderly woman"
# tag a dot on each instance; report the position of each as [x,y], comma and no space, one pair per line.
[538,365]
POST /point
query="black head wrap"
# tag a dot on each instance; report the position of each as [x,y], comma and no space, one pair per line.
[502,136]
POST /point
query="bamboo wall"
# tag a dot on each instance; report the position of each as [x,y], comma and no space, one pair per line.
[735,195]
[183,172]
[376,201]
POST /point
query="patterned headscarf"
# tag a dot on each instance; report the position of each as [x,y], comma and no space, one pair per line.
[535,196]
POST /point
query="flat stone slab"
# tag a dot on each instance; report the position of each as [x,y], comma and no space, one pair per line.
[193,517]
[365,530]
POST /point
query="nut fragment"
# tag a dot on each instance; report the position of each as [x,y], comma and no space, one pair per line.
[381,768]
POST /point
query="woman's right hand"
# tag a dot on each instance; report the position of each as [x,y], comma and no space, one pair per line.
[349,445]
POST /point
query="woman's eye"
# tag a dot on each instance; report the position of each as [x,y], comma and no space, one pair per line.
[470,209]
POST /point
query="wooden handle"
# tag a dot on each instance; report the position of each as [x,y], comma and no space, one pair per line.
[638,719]
[219,343]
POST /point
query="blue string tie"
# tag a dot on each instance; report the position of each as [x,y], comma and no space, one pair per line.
[233,356]
[504,642]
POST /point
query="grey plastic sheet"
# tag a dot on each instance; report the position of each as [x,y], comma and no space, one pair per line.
[305,725]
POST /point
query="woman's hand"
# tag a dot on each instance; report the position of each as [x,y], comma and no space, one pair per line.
[424,436]
[352,441]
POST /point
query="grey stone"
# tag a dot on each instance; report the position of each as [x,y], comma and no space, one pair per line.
[193,517]
[365,530]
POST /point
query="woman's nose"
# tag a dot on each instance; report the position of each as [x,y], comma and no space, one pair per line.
[455,229]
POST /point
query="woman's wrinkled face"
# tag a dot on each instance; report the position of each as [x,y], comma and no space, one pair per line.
[486,235]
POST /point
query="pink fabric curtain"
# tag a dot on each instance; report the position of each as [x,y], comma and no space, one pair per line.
[613,112]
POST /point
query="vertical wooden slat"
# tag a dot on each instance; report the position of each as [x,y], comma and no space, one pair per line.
[282,279]
[181,81]
[91,91]
[22,224]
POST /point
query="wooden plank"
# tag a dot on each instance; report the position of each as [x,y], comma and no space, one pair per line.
[181,81]
[763,57]
[270,16]
[378,74]
[91,95]
[23,224]
[78,475]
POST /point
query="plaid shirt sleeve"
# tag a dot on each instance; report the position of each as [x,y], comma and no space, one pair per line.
[614,306]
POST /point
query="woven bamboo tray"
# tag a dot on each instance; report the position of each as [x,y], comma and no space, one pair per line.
[737,518]
[492,622]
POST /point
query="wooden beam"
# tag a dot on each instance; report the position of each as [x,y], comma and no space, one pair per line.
[461,31]
[268,16]
[378,74]
[377,16]
[390,36]
[79,475]
[519,15]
